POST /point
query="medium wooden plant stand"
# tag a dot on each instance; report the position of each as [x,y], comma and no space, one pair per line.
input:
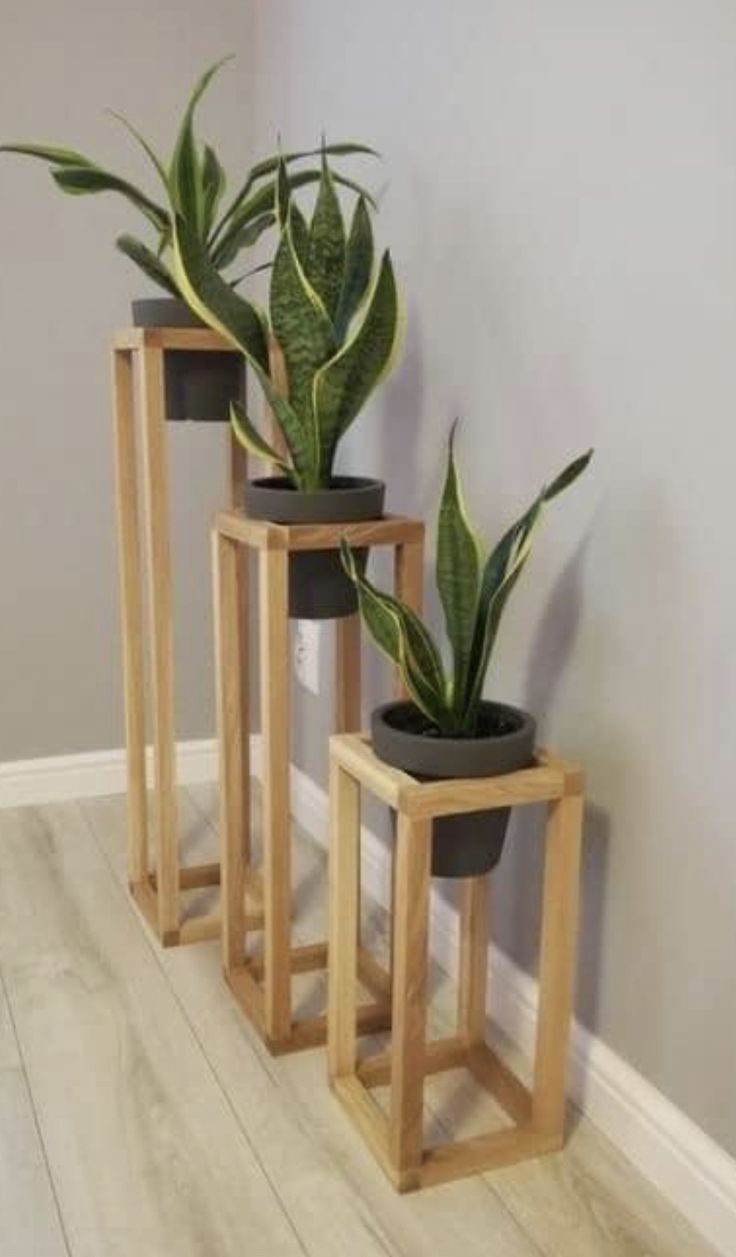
[261,982]
[157,891]
[538,1115]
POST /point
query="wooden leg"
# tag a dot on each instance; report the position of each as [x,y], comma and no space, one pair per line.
[275,674]
[126,478]
[344,920]
[472,980]
[234,800]
[238,478]
[409,1004]
[557,962]
[162,663]
[408,587]
[347,674]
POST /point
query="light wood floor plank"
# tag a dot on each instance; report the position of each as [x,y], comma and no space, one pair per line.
[145,1153]
[152,1093]
[587,1201]
[337,1197]
[29,1219]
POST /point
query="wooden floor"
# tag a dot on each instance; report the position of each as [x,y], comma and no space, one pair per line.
[139,1117]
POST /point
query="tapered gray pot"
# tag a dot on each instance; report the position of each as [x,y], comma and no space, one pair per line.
[470,843]
[198,386]
[318,586]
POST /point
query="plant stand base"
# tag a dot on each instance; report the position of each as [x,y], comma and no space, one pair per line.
[262,982]
[144,531]
[396,1139]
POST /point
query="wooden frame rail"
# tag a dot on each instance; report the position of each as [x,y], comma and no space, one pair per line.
[261,981]
[157,879]
[538,1115]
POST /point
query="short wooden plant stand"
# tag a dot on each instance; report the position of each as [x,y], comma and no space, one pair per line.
[157,890]
[262,981]
[396,1138]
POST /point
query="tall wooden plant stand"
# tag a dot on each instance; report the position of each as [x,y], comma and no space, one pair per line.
[538,1115]
[261,982]
[144,507]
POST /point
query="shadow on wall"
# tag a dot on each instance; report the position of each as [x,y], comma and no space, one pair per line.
[399,433]
[517,903]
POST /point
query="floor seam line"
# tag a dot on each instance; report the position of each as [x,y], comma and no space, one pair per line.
[34,1114]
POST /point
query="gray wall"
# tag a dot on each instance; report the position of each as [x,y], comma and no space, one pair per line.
[560,201]
[63,288]
[561,205]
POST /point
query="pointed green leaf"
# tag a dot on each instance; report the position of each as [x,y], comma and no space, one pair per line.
[185,177]
[248,235]
[149,263]
[343,385]
[270,164]
[568,476]
[282,195]
[213,185]
[501,573]
[251,439]
[325,261]
[303,330]
[299,233]
[265,199]
[208,294]
[358,268]
[401,635]
[49,153]
[143,142]
[83,180]
[458,573]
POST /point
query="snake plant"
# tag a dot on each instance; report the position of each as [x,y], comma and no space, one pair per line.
[333,320]
[473,592]
[222,231]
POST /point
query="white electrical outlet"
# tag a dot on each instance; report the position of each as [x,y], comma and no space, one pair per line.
[306,654]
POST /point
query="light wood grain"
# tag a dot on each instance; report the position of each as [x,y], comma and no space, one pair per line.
[471,794]
[131,610]
[193,338]
[354,753]
[410,932]
[347,674]
[145,1154]
[230,662]
[275,726]
[557,961]
[344,921]
[156,495]
[29,1219]
[238,481]
[391,530]
[585,1201]
[473,968]
[338,1201]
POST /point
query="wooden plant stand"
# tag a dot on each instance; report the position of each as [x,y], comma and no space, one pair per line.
[538,1115]
[140,352]
[261,983]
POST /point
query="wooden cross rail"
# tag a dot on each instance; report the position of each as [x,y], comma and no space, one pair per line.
[538,1115]
[143,525]
[262,982]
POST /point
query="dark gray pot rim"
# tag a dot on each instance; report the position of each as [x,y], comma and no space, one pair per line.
[348,498]
[444,757]
[163,312]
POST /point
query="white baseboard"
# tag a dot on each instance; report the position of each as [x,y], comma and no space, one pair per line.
[688,1167]
[29,782]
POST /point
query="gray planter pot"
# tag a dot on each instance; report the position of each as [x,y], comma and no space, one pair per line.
[471,843]
[318,586]
[198,386]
